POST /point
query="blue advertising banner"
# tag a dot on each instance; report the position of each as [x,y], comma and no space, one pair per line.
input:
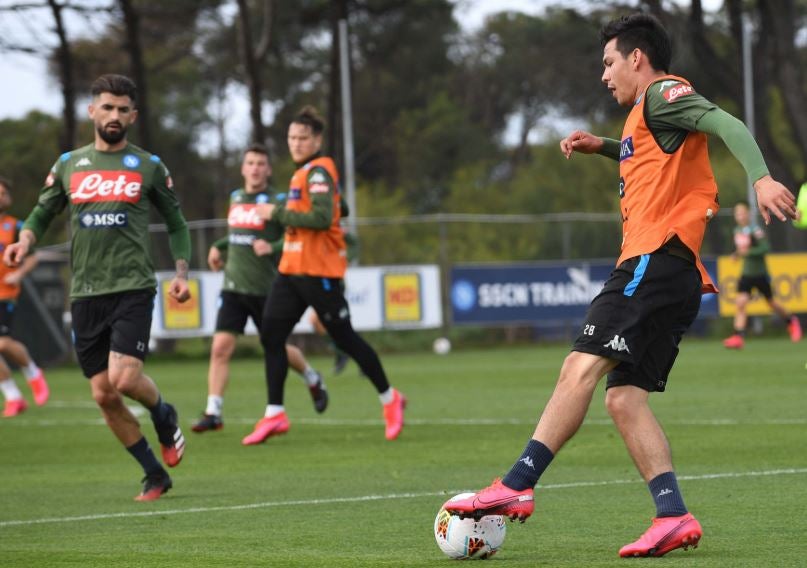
[534,293]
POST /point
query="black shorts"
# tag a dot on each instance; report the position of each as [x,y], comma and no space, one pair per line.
[762,283]
[6,317]
[291,295]
[640,316]
[112,322]
[235,308]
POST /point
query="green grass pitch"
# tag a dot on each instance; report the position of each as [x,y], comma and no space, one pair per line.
[334,492]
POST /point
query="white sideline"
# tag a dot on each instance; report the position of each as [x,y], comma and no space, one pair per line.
[24,421]
[366,498]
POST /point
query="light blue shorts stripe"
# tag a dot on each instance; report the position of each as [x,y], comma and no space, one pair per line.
[644,260]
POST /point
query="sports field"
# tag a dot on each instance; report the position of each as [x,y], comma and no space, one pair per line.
[334,492]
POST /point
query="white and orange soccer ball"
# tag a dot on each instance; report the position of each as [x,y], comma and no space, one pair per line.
[464,539]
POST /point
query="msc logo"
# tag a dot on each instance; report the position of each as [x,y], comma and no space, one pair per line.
[626,148]
[295,193]
[104,220]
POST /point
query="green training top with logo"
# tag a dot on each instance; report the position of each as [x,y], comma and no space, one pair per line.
[754,238]
[245,272]
[674,109]
[109,195]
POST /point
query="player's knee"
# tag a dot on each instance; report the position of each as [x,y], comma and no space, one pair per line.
[618,403]
[106,398]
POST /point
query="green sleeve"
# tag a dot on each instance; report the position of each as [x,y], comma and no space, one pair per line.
[761,246]
[738,140]
[610,148]
[52,201]
[166,202]
[222,244]
[321,188]
[344,210]
[277,246]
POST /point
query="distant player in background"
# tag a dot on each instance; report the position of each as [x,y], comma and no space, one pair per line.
[108,187]
[633,327]
[311,274]
[252,247]
[751,245]
[11,349]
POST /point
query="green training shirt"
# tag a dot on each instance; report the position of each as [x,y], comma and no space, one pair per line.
[109,194]
[670,124]
[245,272]
[754,260]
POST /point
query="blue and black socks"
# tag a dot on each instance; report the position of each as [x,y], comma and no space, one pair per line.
[667,496]
[530,466]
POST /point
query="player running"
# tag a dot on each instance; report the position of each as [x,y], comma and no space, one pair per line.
[311,274]
[751,245]
[109,186]
[253,246]
[10,348]
[633,327]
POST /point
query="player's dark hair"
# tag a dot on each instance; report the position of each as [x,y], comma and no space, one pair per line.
[744,203]
[5,182]
[118,85]
[257,148]
[640,31]
[309,116]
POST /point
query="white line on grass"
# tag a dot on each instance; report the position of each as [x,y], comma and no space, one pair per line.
[430,422]
[367,498]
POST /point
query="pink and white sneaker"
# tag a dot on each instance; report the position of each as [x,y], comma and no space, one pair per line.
[394,415]
[496,499]
[794,329]
[39,387]
[14,407]
[664,535]
[267,427]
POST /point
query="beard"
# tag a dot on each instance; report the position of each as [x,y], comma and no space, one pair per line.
[111,136]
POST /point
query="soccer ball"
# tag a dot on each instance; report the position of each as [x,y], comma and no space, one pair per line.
[441,345]
[464,539]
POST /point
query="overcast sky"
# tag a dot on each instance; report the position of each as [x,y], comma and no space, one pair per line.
[26,84]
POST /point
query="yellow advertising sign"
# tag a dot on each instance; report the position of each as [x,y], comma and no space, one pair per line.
[402,298]
[181,316]
[788,280]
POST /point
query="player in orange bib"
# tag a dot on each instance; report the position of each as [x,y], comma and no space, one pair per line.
[633,327]
[311,273]
[10,348]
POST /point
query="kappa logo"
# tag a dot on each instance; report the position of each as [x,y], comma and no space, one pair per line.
[664,492]
[83,162]
[528,462]
[617,344]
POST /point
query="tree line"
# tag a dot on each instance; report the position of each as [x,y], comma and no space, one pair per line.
[446,120]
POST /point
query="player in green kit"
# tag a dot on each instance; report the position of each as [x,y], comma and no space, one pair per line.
[253,247]
[109,187]
[751,246]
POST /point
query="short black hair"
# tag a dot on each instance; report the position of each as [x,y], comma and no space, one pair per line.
[118,85]
[257,148]
[309,116]
[744,203]
[640,31]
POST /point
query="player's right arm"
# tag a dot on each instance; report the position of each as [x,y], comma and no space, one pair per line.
[215,256]
[52,201]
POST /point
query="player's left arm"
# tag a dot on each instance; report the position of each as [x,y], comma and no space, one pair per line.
[321,188]
[179,237]
[670,108]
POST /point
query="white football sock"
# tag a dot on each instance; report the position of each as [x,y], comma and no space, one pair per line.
[214,404]
[10,390]
[311,376]
[30,370]
[273,410]
[387,396]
